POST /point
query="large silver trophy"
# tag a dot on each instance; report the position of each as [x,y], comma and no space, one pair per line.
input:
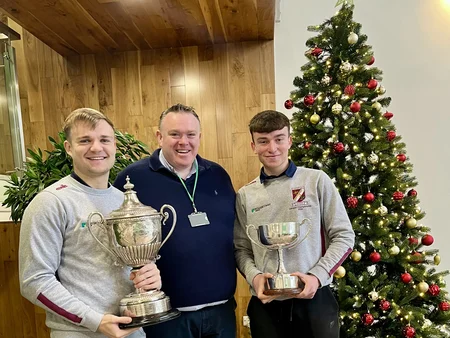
[134,235]
[279,236]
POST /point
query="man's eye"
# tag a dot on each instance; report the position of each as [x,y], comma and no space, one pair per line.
[84,141]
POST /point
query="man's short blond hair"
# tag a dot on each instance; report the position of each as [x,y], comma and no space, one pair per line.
[86,115]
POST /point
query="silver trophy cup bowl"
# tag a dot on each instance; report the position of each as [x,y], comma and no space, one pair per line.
[280,236]
[134,239]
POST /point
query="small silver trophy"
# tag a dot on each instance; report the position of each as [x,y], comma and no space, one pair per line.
[279,236]
[134,234]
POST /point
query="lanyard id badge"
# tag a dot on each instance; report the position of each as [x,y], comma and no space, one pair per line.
[196,218]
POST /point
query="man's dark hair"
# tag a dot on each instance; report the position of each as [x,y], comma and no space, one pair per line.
[268,121]
[178,108]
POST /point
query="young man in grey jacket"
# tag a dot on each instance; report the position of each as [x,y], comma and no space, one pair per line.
[284,192]
[61,266]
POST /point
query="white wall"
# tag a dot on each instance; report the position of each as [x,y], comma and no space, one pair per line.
[410,40]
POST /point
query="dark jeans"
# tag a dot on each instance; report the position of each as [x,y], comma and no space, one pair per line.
[213,321]
[299,318]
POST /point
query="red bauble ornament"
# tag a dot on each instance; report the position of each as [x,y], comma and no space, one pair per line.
[434,290]
[369,197]
[385,305]
[288,104]
[406,277]
[316,51]
[444,306]
[371,61]
[427,240]
[413,241]
[397,196]
[367,319]
[375,257]
[409,332]
[307,145]
[339,147]
[349,90]
[390,135]
[417,255]
[352,202]
[412,193]
[355,107]
[388,115]
[372,84]
[308,100]
[401,157]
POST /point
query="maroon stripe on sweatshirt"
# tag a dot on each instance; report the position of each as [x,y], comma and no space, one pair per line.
[55,308]
[333,270]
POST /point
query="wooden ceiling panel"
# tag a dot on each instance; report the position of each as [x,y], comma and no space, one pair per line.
[76,27]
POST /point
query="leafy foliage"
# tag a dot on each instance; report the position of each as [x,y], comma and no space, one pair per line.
[44,168]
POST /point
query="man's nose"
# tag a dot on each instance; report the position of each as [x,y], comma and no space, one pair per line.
[272,146]
[96,146]
[183,139]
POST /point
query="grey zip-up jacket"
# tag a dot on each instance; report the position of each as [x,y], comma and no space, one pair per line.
[305,193]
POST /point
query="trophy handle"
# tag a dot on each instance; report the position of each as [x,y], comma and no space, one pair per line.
[250,237]
[165,218]
[101,224]
[307,233]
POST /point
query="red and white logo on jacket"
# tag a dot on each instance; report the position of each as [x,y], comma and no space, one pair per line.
[298,194]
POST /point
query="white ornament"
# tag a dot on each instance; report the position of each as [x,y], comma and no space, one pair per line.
[377,106]
[327,124]
[368,137]
[346,67]
[336,108]
[394,251]
[383,210]
[352,38]
[326,80]
[372,179]
[373,296]
[373,158]
[381,90]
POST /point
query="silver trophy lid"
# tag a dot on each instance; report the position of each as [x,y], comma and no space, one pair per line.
[131,206]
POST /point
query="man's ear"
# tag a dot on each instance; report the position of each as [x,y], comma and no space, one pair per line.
[68,148]
[252,144]
[159,137]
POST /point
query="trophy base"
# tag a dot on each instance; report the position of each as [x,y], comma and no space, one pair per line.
[151,319]
[283,292]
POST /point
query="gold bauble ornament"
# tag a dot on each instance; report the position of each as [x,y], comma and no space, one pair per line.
[422,287]
[366,206]
[394,251]
[411,223]
[340,272]
[377,106]
[381,90]
[356,256]
[314,118]
[437,259]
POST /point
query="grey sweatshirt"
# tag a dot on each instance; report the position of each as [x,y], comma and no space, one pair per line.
[61,267]
[308,194]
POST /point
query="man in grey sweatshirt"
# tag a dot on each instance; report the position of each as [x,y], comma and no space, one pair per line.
[284,192]
[61,267]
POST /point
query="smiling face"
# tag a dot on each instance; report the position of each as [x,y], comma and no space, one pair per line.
[273,150]
[179,139]
[93,150]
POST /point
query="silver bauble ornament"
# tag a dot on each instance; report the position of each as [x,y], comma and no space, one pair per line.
[336,108]
[394,250]
[377,106]
[352,38]
[346,67]
[373,296]
[373,158]
[383,210]
[381,90]
[326,80]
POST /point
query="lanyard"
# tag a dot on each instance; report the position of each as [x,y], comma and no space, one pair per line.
[191,197]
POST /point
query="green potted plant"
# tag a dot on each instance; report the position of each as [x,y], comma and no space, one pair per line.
[44,168]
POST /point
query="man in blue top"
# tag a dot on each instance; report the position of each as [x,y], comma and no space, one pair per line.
[197,262]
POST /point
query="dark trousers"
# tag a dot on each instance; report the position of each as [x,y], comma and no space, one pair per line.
[299,318]
[217,321]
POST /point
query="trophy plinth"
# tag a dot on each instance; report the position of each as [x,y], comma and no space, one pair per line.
[279,236]
[134,239]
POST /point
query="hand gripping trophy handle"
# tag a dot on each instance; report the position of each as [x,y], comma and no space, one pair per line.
[102,225]
[165,218]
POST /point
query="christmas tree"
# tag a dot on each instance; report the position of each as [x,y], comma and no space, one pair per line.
[389,286]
